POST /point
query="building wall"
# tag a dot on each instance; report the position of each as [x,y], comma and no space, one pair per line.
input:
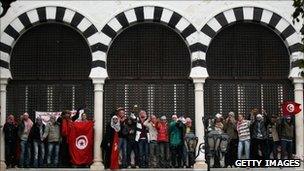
[197,12]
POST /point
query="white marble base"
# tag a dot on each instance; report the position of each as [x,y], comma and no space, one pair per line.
[97,166]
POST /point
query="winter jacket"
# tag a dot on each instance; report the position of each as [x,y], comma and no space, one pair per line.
[142,131]
[258,130]
[52,132]
[176,133]
[35,132]
[131,131]
[123,133]
[230,129]
[286,131]
[10,133]
[152,130]
[162,129]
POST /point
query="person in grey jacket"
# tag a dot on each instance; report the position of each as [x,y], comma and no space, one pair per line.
[52,133]
[150,123]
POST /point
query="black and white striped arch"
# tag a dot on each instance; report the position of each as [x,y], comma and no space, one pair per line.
[154,14]
[274,21]
[41,15]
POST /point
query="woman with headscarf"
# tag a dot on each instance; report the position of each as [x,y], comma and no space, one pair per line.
[110,144]
[10,132]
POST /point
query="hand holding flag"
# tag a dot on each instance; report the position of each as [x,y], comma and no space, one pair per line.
[290,108]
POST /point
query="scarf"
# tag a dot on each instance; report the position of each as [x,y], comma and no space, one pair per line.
[115,126]
[27,125]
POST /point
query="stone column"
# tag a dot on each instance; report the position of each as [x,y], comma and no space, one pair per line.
[98,125]
[199,75]
[3,83]
[298,95]
[199,113]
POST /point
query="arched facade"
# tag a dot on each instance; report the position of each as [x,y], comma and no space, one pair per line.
[259,15]
[43,15]
[100,35]
[150,14]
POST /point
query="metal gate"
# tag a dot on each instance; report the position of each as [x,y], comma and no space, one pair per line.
[241,96]
[248,65]
[159,97]
[50,66]
[148,65]
[31,96]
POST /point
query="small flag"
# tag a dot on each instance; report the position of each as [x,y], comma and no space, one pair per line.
[291,108]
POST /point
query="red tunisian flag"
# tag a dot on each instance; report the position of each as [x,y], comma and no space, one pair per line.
[290,108]
[81,143]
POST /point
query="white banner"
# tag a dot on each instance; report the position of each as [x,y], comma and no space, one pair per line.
[45,116]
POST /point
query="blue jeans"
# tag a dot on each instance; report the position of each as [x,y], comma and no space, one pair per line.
[39,153]
[25,154]
[143,152]
[244,144]
[123,151]
[164,154]
[286,148]
[153,154]
[53,154]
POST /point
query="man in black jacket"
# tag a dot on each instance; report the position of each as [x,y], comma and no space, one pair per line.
[259,135]
[10,130]
[36,137]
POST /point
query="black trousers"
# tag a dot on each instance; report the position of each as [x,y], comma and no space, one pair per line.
[10,153]
[259,144]
[176,156]
[231,155]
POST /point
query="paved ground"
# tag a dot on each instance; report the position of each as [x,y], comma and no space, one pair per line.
[212,169]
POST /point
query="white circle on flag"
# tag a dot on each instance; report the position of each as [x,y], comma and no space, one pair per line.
[81,142]
[290,108]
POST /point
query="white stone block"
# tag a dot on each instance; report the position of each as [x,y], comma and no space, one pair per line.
[182,24]
[148,12]
[68,15]
[33,16]
[214,24]
[229,14]
[114,24]
[84,24]
[99,55]
[248,13]
[7,39]
[166,15]
[50,13]
[266,16]
[130,15]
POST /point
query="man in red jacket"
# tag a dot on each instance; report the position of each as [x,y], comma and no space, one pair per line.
[163,142]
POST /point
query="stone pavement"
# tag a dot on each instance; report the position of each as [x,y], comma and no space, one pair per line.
[212,169]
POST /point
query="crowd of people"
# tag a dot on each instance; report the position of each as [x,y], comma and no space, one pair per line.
[141,140]
[29,144]
[255,136]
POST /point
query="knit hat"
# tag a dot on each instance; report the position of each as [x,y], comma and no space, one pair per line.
[231,114]
[163,117]
[218,115]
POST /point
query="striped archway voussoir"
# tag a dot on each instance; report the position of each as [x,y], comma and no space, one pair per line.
[274,21]
[43,15]
[153,14]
